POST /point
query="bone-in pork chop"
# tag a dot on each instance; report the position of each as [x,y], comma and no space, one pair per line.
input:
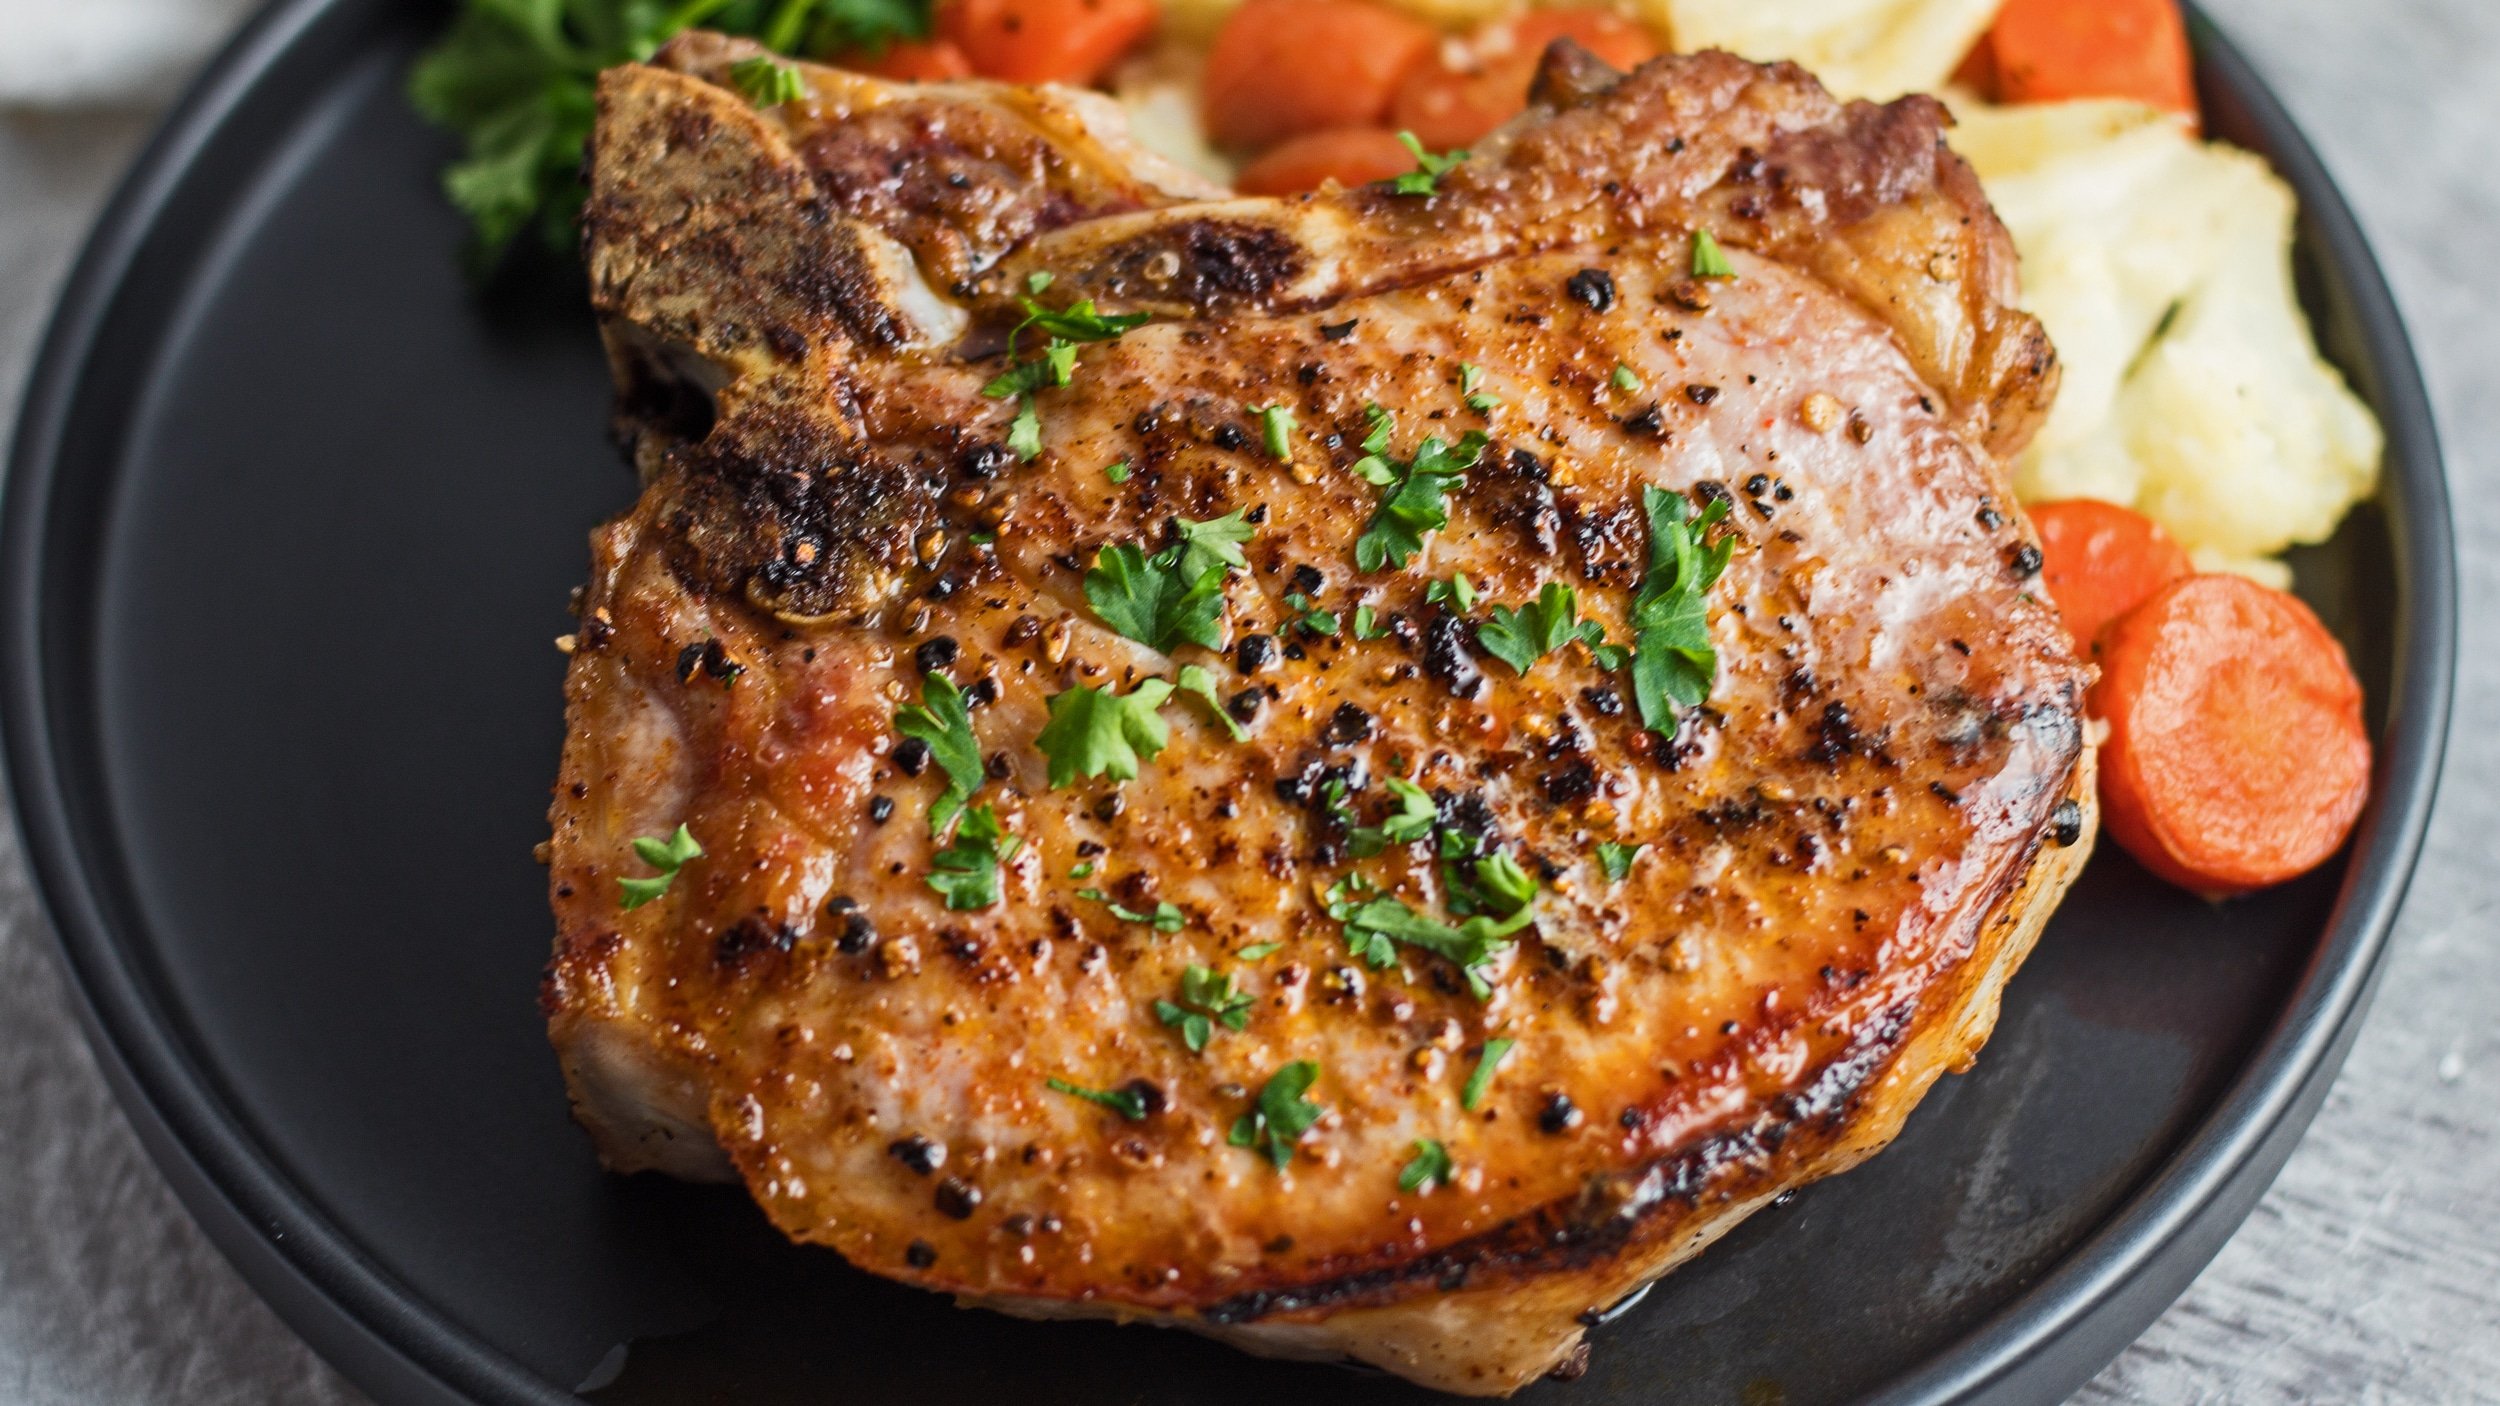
[1362,773]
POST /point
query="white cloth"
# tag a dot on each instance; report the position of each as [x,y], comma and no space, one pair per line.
[106,53]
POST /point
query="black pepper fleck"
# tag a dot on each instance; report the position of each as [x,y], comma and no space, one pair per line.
[1593,287]
[918,1153]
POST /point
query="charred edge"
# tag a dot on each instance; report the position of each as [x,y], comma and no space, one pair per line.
[1207,264]
[1613,1212]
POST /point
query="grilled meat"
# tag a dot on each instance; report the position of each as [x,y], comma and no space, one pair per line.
[1842,854]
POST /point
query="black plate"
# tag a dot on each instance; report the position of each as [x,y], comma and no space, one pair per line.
[291,523]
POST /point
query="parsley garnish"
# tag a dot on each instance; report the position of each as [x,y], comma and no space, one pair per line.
[1521,637]
[965,873]
[668,856]
[1282,1115]
[1166,918]
[766,81]
[1626,379]
[1207,996]
[1367,624]
[1411,821]
[1617,859]
[1310,617]
[1038,280]
[1199,684]
[1458,593]
[1469,377]
[1256,950]
[1177,594]
[1709,260]
[1094,732]
[1128,1103]
[1118,472]
[1430,1169]
[1374,926]
[1417,500]
[514,81]
[1428,168]
[1276,425]
[1066,328]
[1673,665]
[1495,1051]
[941,720]
[1083,869]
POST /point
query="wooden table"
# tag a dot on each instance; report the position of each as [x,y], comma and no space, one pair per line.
[2371,1273]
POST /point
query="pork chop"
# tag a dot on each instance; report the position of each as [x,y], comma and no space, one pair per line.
[1369,811]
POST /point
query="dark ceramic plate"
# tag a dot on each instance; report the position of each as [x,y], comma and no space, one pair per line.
[291,522]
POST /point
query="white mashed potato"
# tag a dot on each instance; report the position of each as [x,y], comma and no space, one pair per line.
[2160,264]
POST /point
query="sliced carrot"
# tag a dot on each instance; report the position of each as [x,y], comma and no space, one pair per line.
[910,61]
[2048,50]
[1279,68]
[2237,757]
[1045,41]
[2099,561]
[1350,156]
[1449,104]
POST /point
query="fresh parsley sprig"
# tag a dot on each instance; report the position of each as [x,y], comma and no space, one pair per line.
[1375,926]
[1094,732]
[668,856]
[1174,596]
[1429,169]
[1066,329]
[1411,821]
[1418,490]
[1207,999]
[941,720]
[965,873]
[1673,664]
[1282,1115]
[1521,637]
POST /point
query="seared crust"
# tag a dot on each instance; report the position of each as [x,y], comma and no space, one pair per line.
[1845,853]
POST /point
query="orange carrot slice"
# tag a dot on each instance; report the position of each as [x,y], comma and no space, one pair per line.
[2100,561]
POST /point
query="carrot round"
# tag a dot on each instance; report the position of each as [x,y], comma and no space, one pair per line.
[1350,156]
[2236,757]
[1045,41]
[1447,105]
[910,61]
[2099,561]
[1279,68]
[2049,50]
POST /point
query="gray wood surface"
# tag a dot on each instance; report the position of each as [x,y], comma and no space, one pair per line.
[2370,1274]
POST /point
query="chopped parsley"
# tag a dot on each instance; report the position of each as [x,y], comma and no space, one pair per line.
[1199,684]
[1411,821]
[1082,870]
[1038,280]
[1417,500]
[1128,1103]
[1458,593]
[941,720]
[1065,329]
[1095,732]
[766,81]
[1256,950]
[1626,379]
[1367,624]
[1276,426]
[668,856]
[1673,664]
[1166,918]
[965,873]
[1617,859]
[1429,168]
[1429,1170]
[1709,260]
[1207,998]
[1310,617]
[1282,1115]
[1521,637]
[1469,378]
[1176,595]
[1117,472]
[1375,926]
[1495,1051]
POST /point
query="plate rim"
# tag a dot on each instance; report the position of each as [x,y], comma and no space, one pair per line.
[390,1340]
